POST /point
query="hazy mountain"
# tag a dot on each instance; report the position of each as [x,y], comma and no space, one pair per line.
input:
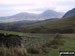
[50,14]
[30,16]
[70,13]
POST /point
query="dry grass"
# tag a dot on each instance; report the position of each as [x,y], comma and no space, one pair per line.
[37,49]
[17,51]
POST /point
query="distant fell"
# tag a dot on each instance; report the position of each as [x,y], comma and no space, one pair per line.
[48,14]
[70,13]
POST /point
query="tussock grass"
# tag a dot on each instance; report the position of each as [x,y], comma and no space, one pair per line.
[37,49]
[17,51]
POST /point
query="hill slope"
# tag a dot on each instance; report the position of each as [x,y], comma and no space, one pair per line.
[65,25]
[70,13]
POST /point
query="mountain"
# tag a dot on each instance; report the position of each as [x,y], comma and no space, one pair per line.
[30,16]
[19,17]
[50,14]
[70,13]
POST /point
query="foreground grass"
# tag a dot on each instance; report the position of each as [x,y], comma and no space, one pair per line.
[17,51]
[69,42]
[69,45]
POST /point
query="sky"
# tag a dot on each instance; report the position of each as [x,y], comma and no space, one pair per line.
[11,7]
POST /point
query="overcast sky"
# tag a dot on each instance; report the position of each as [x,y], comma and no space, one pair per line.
[11,7]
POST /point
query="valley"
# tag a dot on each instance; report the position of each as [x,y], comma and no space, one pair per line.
[38,37]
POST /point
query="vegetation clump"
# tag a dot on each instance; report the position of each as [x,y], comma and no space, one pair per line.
[37,49]
[17,51]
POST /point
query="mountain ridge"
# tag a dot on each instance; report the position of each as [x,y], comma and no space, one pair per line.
[70,13]
[31,16]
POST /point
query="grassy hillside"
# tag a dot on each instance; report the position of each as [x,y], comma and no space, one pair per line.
[39,39]
[69,45]
[65,25]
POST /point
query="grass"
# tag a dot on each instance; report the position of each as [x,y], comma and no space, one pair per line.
[66,25]
[30,39]
[69,42]
[4,51]
[11,32]
[69,45]
[24,34]
[58,23]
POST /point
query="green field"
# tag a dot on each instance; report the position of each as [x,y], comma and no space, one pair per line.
[69,42]
[69,45]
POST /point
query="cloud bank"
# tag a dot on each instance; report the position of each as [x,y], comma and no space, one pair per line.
[11,7]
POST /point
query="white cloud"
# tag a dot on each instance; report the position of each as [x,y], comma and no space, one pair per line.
[63,8]
[33,5]
[30,1]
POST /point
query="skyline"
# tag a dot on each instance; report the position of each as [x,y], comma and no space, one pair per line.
[11,7]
